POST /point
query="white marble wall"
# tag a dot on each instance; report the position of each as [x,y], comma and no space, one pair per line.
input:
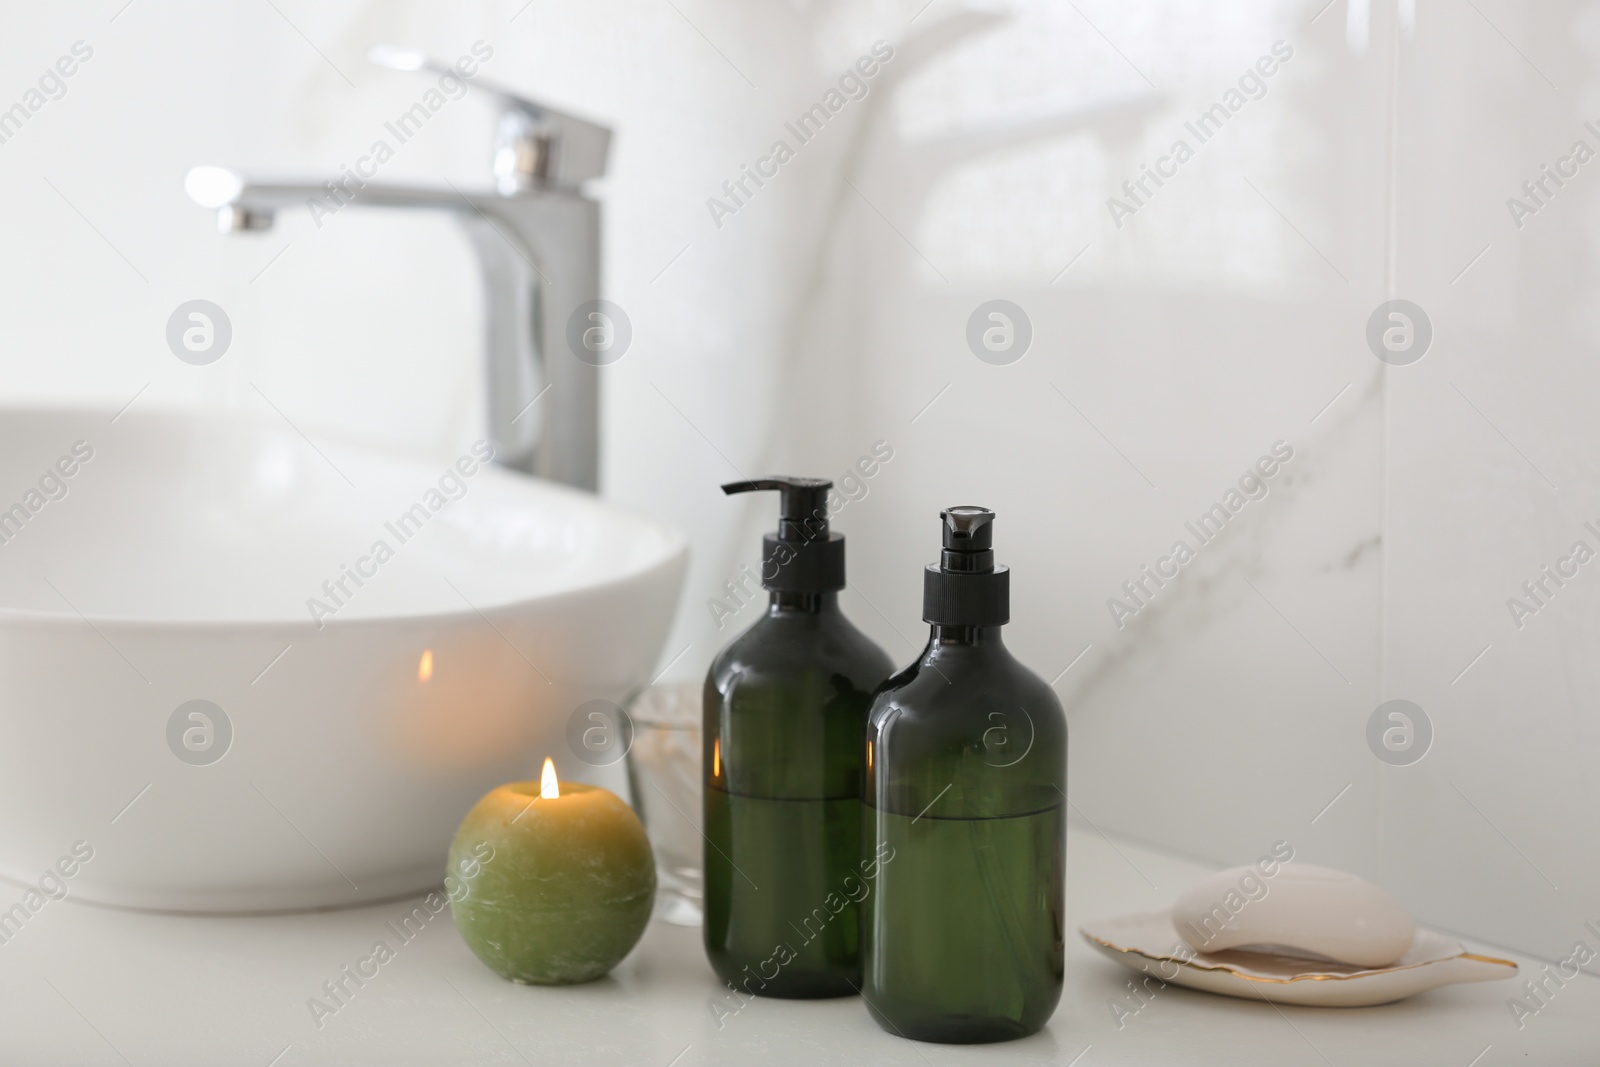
[1228,313]
[1172,354]
[1491,475]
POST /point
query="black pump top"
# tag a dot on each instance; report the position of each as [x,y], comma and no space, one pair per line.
[968,539]
[965,588]
[802,508]
[803,556]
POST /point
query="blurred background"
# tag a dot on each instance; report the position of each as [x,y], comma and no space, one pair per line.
[1176,332]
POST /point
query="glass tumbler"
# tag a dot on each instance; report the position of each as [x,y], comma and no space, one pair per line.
[664,777]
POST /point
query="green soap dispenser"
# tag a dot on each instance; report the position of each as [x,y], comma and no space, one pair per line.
[964,808]
[785,706]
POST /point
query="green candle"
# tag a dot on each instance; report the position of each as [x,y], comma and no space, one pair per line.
[556,880]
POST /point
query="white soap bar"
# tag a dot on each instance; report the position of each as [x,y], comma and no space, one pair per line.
[1297,910]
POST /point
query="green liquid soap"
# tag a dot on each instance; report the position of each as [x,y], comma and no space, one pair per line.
[794,913]
[967,945]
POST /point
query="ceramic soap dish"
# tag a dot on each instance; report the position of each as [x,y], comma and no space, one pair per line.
[1149,943]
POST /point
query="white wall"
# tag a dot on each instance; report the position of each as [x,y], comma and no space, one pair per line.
[825,316]
[1492,474]
[1228,314]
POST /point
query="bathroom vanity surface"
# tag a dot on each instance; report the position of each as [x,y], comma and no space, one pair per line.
[91,985]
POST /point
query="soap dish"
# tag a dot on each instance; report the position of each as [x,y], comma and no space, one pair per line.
[1148,943]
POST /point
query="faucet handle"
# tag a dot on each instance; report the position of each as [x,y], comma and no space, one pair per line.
[535,145]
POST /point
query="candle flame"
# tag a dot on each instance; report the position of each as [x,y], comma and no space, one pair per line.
[425,665]
[869,755]
[549,788]
[716,758]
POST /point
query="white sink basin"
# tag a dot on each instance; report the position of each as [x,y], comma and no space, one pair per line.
[178,566]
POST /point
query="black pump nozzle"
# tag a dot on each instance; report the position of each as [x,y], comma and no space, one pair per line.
[802,508]
[803,556]
[968,539]
[965,588]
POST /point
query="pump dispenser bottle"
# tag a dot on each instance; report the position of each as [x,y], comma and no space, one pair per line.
[966,785]
[785,706]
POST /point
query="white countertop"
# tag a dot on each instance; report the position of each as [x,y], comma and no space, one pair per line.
[88,985]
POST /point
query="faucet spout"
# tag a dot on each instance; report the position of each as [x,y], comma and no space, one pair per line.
[538,250]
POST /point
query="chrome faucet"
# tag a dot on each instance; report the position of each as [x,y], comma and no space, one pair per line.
[537,238]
